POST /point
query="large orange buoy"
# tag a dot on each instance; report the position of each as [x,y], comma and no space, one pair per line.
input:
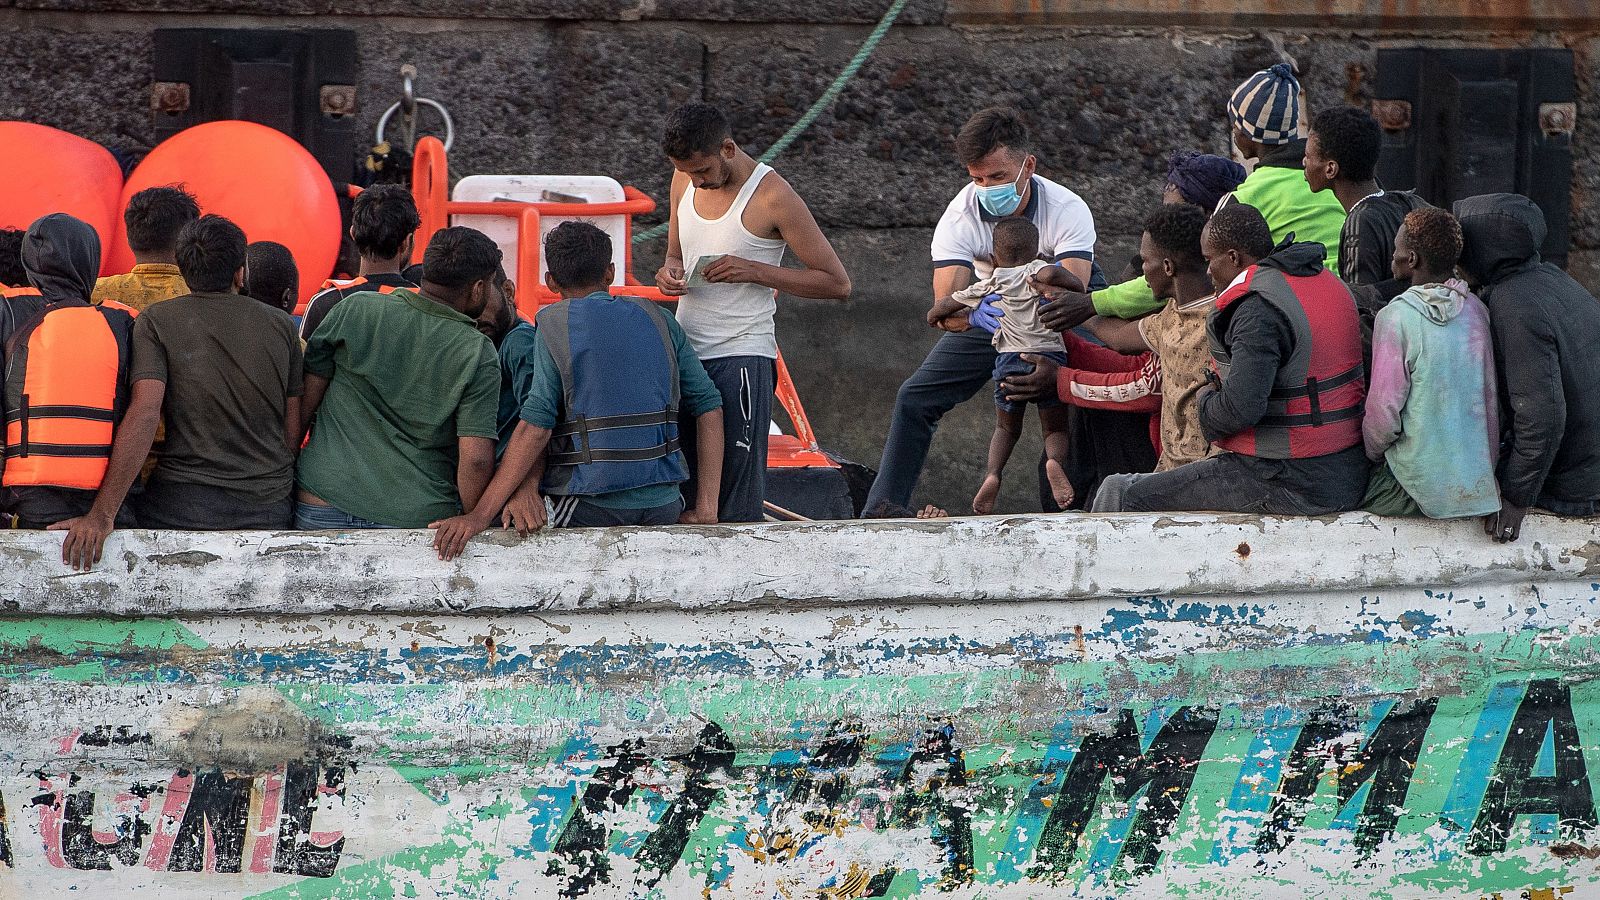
[257,176]
[47,170]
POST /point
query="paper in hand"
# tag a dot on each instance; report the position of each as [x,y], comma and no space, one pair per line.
[697,275]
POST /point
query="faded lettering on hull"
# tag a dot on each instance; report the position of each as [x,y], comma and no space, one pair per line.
[1119,785]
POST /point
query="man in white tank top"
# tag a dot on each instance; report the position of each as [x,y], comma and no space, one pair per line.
[731,218]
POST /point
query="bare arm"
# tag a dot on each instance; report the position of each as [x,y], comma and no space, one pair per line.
[670,278]
[86,534]
[708,474]
[525,510]
[316,387]
[1068,303]
[474,468]
[946,281]
[524,451]
[1082,268]
[823,276]
[1120,335]
[944,307]
[291,424]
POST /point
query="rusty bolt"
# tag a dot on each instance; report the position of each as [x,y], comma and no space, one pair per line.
[1557,119]
[1393,115]
[338,99]
[170,97]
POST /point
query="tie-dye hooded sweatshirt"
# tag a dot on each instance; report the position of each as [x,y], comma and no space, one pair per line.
[1432,410]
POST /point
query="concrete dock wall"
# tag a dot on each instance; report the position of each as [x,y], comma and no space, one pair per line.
[1006,707]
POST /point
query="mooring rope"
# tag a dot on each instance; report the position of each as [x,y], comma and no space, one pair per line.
[822,102]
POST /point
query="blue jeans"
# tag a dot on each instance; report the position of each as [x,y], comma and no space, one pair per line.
[310,517]
[957,367]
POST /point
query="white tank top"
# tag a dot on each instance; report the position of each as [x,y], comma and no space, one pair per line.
[723,320]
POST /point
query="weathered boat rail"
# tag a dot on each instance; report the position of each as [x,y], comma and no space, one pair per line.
[148,573]
[1004,707]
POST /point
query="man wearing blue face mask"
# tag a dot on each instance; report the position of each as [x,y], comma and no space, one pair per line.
[995,148]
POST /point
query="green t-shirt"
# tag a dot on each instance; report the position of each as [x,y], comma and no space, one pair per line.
[407,377]
[1286,202]
[1128,300]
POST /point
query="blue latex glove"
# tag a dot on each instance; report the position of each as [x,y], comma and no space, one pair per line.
[987,315]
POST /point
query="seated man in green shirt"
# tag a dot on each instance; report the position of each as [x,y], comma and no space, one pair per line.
[400,393]
[599,429]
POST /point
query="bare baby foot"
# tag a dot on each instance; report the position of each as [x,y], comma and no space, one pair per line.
[1060,487]
[988,492]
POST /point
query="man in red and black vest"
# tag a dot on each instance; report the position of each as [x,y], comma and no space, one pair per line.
[1284,414]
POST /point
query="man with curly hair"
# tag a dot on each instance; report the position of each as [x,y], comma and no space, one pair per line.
[1341,156]
[1175,269]
[1432,422]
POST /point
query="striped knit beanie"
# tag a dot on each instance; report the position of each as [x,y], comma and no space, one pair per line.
[1267,106]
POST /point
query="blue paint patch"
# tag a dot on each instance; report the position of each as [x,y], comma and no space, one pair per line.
[1472,778]
[1543,828]
[1046,785]
[549,805]
[1252,798]
[1133,627]
[1545,765]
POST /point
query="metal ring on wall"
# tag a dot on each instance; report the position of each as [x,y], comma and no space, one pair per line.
[449,124]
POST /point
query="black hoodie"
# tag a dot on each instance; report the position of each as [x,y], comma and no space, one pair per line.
[62,257]
[1546,331]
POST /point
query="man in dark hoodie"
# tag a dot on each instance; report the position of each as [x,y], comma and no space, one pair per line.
[1286,413]
[1546,331]
[66,378]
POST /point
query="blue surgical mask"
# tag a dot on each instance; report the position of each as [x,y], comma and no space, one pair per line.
[1001,199]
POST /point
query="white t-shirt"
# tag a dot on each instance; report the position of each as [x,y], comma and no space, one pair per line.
[965,233]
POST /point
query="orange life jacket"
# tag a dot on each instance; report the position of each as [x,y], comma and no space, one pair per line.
[6,293]
[348,286]
[63,376]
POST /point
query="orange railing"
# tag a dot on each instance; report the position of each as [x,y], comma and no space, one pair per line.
[430,185]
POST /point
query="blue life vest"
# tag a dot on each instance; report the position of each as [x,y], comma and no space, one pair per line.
[619,385]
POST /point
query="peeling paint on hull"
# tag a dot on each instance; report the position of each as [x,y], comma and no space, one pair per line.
[1179,718]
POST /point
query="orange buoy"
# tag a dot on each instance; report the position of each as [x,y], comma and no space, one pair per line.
[259,177]
[48,170]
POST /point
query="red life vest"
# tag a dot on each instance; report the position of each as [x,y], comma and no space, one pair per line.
[6,293]
[1319,394]
[63,379]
